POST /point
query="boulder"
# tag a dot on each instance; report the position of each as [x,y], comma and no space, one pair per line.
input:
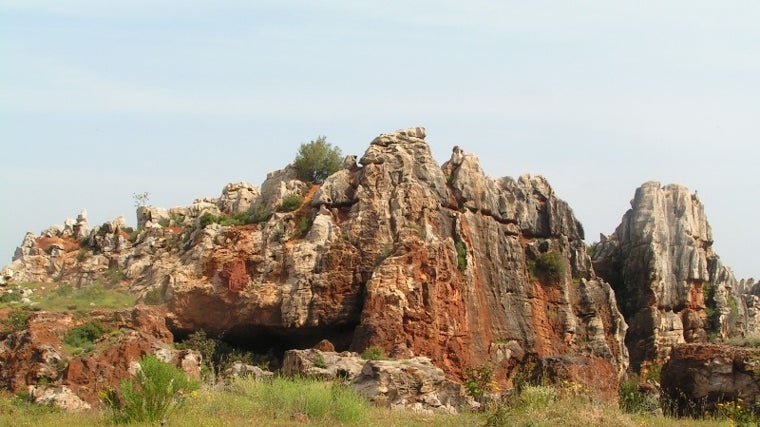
[315,363]
[60,396]
[241,370]
[414,384]
[699,376]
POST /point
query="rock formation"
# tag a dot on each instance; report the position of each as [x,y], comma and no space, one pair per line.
[34,358]
[393,252]
[671,285]
[699,376]
[412,382]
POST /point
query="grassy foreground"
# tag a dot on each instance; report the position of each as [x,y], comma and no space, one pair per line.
[293,402]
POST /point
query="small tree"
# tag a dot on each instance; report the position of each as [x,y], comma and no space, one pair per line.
[317,160]
[141,199]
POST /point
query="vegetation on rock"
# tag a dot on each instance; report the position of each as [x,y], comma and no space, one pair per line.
[550,267]
[317,160]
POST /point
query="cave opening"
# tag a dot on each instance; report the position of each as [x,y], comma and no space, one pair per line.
[274,341]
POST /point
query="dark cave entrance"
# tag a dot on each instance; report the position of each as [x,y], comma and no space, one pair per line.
[274,341]
[277,340]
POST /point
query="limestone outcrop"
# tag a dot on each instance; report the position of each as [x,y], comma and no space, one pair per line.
[412,382]
[34,359]
[393,251]
[671,285]
[698,376]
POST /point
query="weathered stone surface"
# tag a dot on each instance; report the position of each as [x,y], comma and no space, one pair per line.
[60,396]
[35,356]
[398,253]
[409,383]
[315,363]
[698,376]
[240,370]
[671,285]
[238,197]
[279,185]
[412,384]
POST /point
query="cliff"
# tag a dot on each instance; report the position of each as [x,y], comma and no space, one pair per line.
[394,251]
[671,285]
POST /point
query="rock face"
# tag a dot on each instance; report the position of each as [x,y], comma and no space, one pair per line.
[699,376]
[34,358]
[412,382]
[394,251]
[671,285]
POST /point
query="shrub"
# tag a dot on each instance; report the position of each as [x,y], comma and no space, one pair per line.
[373,353]
[82,338]
[154,296]
[203,344]
[319,362]
[10,297]
[304,225]
[156,391]
[260,214]
[16,321]
[633,401]
[217,355]
[461,255]
[291,203]
[737,412]
[206,219]
[549,267]
[479,380]
[236,218]
[537,397]
[317,160]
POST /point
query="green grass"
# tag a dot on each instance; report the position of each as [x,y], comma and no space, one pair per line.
[66,298]
[277,402]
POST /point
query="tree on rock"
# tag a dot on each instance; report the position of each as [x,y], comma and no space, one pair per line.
[317,160]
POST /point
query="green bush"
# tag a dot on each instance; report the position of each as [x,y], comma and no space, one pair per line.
[236,218]
[304,225]
[82,338]
[317,160]
[291,203]
[217,356]
[10,297]
[16,321]
[154,296]
[461,255]
[203,344]
[479,380]
[156,391]
[550,267]
[319,362]
[373,353]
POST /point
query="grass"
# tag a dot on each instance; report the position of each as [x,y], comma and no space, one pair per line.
[66,298]
[281,401]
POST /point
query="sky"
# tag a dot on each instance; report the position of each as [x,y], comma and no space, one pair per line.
[100,100]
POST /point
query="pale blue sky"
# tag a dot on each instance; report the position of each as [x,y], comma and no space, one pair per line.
[103,99]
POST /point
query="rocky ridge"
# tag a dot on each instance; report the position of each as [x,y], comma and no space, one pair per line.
[671,285]
[393,250]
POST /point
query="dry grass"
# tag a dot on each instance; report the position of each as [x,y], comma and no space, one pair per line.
[285,402]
